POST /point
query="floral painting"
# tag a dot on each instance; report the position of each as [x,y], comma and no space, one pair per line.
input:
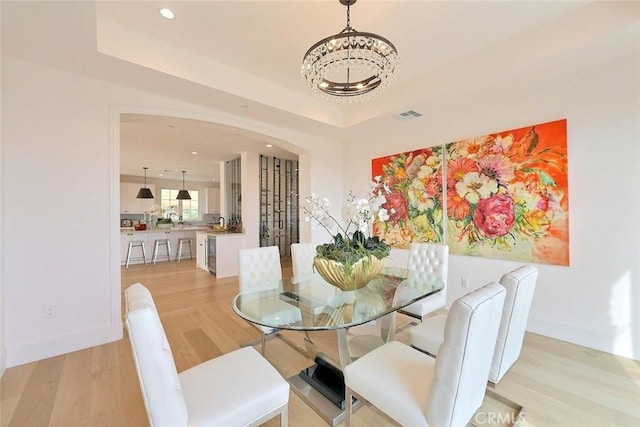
[413,193]
[507,195]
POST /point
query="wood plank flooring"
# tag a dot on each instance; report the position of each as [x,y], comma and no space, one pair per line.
[558,383]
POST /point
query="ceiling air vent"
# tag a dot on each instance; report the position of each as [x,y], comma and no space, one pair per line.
[407,115]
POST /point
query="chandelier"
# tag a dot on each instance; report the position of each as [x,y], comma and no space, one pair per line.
[350,66]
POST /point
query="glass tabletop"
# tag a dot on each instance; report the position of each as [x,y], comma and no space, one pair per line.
[310,303]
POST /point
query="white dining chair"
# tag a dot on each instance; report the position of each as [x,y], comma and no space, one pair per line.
[239,388]
[431,259]
[414,389]
[260,269]
[302,255]
[520,285]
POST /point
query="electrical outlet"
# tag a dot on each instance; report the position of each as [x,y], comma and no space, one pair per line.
[464,282]
[50,312]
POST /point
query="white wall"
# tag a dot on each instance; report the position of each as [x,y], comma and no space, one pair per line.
[595,301]
[60,184]
[2,322]
[250,177]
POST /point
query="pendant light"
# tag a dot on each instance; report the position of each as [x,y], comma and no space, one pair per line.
[183,194]
[144,192]
[350,66]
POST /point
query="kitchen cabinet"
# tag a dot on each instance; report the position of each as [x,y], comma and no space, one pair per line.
[226,250]
[201,250]
[213,200]
[129,204]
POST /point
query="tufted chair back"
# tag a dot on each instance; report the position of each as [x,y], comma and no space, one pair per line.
[302,255]
[464,357]
[430,259]
[520,285]
[259,268]
[157,374]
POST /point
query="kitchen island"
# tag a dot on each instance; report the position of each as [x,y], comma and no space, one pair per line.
[150,236]
[222,261]
[217,252]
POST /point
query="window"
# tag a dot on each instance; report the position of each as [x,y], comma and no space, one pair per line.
[189,207]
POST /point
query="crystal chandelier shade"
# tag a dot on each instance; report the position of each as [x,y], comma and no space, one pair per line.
[350,66]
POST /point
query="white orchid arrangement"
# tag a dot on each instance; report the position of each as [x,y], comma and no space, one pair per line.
[154,210]
[172,210]
[358,213]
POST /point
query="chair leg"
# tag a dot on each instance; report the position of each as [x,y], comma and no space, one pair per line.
[155,252]
[144,253]
[179,254]
[264,342]
[348,396]
[284,417]
[126,264]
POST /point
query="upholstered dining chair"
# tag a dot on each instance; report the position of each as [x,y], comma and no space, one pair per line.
[239,388]
[432,259]
[260,269]
[520,285]
[302,255]
[414,389]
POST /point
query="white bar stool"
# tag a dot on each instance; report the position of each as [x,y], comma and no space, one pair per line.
[156,248]
[182,242]
[135,244]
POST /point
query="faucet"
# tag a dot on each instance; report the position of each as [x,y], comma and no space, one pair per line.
[221,221]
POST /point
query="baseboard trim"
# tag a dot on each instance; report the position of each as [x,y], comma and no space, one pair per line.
[601,340]
[55,346]
[3,362]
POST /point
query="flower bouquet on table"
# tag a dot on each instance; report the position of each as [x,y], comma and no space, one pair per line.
[355,257]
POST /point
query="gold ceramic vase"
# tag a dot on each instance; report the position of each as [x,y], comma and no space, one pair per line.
[348,279]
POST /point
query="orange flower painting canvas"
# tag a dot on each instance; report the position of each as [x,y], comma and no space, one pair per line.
[412,184]
[507,195]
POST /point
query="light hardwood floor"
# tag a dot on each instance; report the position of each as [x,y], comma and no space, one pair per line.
[559,384]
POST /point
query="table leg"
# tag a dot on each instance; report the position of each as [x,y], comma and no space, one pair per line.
[343,348]
[321,386]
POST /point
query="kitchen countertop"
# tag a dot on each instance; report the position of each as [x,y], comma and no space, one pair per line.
[176,229]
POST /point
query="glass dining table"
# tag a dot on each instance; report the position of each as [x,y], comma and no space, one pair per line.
[310,304]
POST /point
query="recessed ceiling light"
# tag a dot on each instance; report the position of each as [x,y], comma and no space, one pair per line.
[269,145]
[166,13]
[213,179]
[194,152]
[161,174]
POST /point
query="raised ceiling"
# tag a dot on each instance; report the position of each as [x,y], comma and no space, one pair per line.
[243,57]
[168,145]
